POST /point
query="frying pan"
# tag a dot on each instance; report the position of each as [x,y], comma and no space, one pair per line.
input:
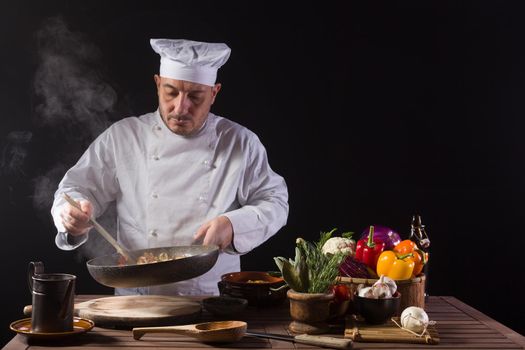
[197,260]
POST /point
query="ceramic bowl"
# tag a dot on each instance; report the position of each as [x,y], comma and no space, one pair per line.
[259,288]
[224,305]
[377,311]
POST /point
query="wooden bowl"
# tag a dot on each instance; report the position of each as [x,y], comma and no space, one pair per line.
[258,287]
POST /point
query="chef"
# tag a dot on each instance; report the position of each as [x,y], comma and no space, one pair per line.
[180,175]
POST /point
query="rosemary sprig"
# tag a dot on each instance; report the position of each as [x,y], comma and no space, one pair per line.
[311,271]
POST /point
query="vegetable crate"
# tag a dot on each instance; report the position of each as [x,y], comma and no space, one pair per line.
[412,290]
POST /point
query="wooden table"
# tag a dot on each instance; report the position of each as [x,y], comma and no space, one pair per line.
[459,325]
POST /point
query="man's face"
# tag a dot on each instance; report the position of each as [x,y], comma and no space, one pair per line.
[183,105]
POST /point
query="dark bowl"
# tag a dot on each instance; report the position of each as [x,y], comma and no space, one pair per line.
[259,288]
[224,305]
[377,311]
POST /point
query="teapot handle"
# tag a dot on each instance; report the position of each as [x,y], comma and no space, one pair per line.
[35,268]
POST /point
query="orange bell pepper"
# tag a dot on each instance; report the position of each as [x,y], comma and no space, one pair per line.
[420,258]
[395,266]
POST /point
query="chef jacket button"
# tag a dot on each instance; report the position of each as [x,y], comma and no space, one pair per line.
[156,157]
[153,233]
[154,195]
[158,128]
[202,198]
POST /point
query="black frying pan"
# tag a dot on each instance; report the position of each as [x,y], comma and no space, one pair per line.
[198,260]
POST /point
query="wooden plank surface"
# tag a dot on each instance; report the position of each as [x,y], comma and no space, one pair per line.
[389,332]
[459,326]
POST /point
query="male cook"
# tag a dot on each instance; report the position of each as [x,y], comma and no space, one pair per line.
[179,175]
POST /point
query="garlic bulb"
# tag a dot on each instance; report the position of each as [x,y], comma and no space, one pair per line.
[415,319]
[383,288]
[390,283]
[363,291]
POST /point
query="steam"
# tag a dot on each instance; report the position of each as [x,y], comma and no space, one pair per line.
[15,152]
[46,185]
[74,101]
[68,82]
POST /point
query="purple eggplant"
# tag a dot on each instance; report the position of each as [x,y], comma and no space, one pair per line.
[385,234]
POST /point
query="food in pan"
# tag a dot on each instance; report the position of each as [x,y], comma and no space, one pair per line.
[148,258]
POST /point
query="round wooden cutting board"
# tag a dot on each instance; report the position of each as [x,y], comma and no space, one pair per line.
[139,311]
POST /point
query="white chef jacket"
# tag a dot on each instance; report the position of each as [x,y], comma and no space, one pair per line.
[166,185]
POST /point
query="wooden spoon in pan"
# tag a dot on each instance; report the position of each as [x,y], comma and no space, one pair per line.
[126,254]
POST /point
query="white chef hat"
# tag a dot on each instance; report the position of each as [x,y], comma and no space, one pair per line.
[188,60]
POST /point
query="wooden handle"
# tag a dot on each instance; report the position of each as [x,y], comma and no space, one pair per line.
[111,240]
[28,310]
[138,332]
[101,230]
[327,342]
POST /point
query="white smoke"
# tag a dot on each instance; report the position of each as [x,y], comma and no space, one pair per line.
[15,152]
[68,83]
[72,98]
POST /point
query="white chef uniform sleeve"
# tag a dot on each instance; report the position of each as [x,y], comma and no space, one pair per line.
[263,196]
[92,178]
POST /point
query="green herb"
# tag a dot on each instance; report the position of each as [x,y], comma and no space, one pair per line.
[311,271]
[347,235]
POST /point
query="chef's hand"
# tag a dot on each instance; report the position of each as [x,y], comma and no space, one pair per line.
[218,231]
[76,221]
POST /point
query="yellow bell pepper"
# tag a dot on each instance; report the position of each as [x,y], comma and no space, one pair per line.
[420,257]
[395,266]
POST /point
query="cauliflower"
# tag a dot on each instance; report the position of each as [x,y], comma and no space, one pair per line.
[339,245]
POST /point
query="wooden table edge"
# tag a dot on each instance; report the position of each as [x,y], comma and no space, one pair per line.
[488,321]
[18,343]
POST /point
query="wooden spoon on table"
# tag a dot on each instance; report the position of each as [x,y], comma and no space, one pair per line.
[231,331]
[208,332]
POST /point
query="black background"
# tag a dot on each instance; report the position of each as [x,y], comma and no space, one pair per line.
[372,111]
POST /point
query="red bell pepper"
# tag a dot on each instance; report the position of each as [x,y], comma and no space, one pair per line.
[368,249]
